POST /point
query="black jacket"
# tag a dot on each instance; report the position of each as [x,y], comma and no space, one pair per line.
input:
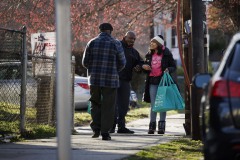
[167,62]
[133,58]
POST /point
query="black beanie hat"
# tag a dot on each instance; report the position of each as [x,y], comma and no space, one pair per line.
[105,26]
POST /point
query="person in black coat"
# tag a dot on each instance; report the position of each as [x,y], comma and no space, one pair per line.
[157,61]
[134,63]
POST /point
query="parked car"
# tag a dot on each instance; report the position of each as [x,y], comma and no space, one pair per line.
[220,106]
[81,92]
[133,99]
[10,84]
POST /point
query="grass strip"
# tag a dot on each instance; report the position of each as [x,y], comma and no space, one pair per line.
[180,149]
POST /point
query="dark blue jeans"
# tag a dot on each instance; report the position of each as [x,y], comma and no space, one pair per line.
[153,115]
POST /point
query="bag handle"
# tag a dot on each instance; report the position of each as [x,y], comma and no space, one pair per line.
[163,81]
[166,80]
[169,78]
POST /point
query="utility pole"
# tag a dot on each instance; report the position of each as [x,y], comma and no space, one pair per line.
[197,61]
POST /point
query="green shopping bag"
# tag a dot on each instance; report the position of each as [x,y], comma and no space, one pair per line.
[168,97]
[89,107]
[179,103]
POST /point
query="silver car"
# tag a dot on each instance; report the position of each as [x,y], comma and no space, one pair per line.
[10,86]
[82,93]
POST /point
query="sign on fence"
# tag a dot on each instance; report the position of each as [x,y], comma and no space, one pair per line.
[43,44]
[43,50]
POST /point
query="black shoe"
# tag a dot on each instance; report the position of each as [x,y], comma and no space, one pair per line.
[124,130]
[106,136]
[150,131]
[161,131]
[161,127]
[96,134]
[152,127]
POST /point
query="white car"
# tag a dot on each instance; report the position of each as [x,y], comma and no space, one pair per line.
[81,92]
[10,86]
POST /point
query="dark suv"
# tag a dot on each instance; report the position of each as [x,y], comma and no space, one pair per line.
[220,106]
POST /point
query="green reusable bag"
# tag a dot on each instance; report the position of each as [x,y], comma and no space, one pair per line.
[168,97]
[89,107]
[179,103]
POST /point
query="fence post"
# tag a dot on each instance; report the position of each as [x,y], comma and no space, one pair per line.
[23,82]
[43,103]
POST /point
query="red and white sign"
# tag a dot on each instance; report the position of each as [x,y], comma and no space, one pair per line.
[43,44]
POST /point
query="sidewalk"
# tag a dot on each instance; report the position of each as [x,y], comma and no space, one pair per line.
[86,148]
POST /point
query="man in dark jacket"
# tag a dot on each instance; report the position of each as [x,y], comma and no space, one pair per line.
[103,58]
[134,62]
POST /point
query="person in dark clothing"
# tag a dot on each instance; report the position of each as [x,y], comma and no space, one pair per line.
[157,61]
[134,62]
[104,58]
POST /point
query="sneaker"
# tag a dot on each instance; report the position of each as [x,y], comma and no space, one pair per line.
[125,130]
[106,136]
[96,134]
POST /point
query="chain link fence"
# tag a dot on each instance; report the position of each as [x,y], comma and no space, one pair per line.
[10,82]
[27,92]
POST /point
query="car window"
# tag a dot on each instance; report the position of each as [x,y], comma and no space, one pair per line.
[235,65]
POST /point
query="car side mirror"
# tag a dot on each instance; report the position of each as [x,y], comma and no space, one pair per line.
[201,80]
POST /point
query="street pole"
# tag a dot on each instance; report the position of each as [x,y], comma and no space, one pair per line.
[63,78]
[197,61]
[23,83]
